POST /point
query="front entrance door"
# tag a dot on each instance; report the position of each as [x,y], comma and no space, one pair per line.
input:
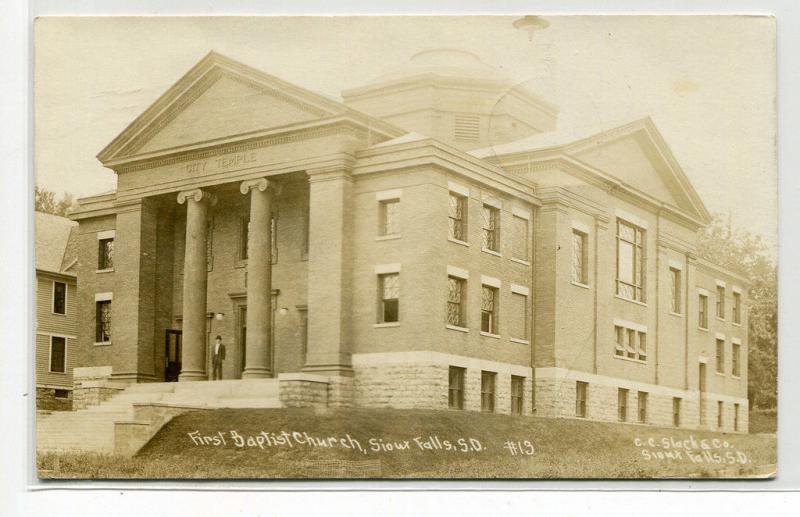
[172,355]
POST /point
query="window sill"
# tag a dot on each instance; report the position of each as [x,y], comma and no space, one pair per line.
[103,343]
[107,270]
[720,319]
[676,314]
[489,334]
[639,361]
[520,261]
[58,373]
[387,237]
[736,324]
[491,252]
[637,302]
[62,314]
[456,241]
[386,325]
[520,341]
[720,374]
[737,377]
[704,329]
[579,284]
[459,329]
[240,263]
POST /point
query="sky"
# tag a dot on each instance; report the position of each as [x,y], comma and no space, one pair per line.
[708,82]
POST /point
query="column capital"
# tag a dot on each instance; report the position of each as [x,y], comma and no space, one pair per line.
[198,195]
[262,184]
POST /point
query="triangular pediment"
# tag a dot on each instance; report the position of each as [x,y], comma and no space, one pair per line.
[218,99]
[637,155]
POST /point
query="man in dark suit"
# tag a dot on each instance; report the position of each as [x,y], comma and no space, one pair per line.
[218,355]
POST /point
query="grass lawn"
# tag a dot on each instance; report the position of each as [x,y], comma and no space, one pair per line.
[763,420]
[380,443]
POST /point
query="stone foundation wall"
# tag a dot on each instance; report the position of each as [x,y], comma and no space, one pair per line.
[341,391]
[84,397]
[46,400]
[556,398]
[302,390]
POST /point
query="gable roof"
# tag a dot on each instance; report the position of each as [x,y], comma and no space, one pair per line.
[210,70]
[52,234]
[579,143]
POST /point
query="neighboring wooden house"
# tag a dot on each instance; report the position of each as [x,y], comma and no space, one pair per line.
[56,310]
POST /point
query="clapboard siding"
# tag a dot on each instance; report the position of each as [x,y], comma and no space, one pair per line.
[43,374]
[46,321]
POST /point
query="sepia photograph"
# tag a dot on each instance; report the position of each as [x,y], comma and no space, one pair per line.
[405,247]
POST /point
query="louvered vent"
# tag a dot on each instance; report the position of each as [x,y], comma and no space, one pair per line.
[468,127]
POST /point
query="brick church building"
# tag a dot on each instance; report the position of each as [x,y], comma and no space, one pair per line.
[433,241]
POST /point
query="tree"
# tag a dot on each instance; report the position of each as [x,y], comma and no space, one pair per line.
[747,254]
[45,201]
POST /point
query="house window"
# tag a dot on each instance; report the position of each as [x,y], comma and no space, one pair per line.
[642,401]
[519,316]
[736,368]
[580,398]
[519,238]
[675,290]
[389,286]
[622,405]
[487,391]
[490,224]
[630,343]
[702,317]
[737,308]
[456,389]
[456,293]
[720,355]
[720,302]
[489,309]
[719,414]
[630,261]
[61,394]
[457,217]
[389,217]
[58,354]
[467,127]
[59,298]
[517,394]
[103,321]
[676,411]
[580,257]
[105,253]
[736,416]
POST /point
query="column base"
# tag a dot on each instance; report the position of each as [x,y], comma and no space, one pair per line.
[256,373]
[192,376]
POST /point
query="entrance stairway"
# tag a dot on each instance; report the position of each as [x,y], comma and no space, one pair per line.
[92,429]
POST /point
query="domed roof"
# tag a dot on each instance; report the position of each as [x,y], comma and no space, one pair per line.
[447,62]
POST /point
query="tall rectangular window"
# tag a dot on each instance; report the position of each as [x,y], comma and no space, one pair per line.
[580,257]
[487,391]
[59,298]
[489,304]
[519,238]
[105,253]
[580,398]
[517,394]
[519,316]
[720,355]
[456,294]
[630,261]
[244,236]
[675,290]
[456,388]
[619,333]
[642,401]
[737,308]
[736,368]
[58,354]
[719,414]
[676,411]
[622,404]
[736,416]
[457,217]
[702,315]
[490,225]
[720,302]
[389,292]
[103,321]
[389,217]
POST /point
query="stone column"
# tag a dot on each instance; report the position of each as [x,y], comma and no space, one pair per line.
[195,282]
[329,271]
[259,279]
